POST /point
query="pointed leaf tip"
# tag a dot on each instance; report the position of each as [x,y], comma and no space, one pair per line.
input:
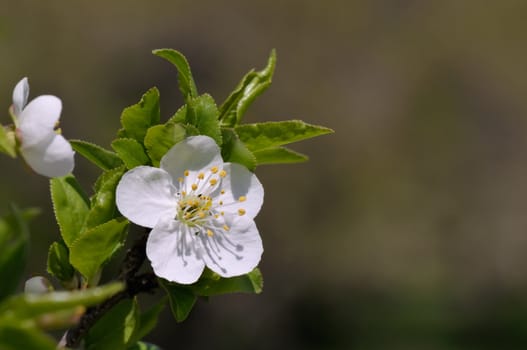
[187,86]
[251,86]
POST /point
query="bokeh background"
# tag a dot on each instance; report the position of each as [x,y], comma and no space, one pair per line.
[407,228]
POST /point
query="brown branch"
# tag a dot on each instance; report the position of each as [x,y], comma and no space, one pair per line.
[144,283]
[135,256]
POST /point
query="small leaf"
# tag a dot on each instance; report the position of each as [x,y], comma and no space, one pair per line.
[95,246]
[131,152]
[235,151]
[185,79]
[103,206]
[115,329]
[59,264]
[12,265]
[148,321]
[216,285]
[181,299]
[99,156]
[203,114]
[251,86]
[71,207]
[14,245]
[29,306]
[228,108]
[17,337]
[160,138]
[279,155]
[260,136]
[7,142]
[137,118]
[180,116]
[191,130]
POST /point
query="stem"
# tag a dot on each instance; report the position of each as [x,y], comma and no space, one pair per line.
[134,258]
[146,282]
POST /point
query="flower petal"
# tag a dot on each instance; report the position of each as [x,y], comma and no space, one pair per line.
[146,194]
[51,157]
[195,154]
[174,253]
[37,120]
[236,251]
[243,192]
[20,95]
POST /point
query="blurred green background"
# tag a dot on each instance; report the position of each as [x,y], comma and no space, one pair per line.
[407,228]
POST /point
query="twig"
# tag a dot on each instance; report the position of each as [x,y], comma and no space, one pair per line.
[147,282]
[135,256]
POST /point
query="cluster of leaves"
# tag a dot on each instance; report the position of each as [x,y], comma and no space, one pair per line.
[24,316]
[92,230]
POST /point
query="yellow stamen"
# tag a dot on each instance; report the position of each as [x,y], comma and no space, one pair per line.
[242,199]
[226,228]
[194,187]
[213,182]
[214,169]
[186,172]
[210,233]
[223,173]
[201,176]
[241,211]
[180,179]
[201,214]
[221,202]
[222,191]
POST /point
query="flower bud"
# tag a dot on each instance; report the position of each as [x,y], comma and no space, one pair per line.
[37,285]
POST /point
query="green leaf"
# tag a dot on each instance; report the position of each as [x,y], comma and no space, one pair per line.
[261,136]
[203,114]
[12,264]
[71,207]
[103,206]
[99,156]
[148,321]
[235,151]
[185,79]
[181,299]
[250,87]
[228,108]
[144,346]
[17,337]
[115,329]
[131,152]
[91,249]
[216,285]
[59,263]
[180,116]
[160,138]
[29,306]
[14,245]
[279,155]
[137,118]
[7,142]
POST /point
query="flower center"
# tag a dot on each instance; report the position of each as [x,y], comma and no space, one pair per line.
[193,209]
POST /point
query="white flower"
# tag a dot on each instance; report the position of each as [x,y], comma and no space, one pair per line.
[201,210]
[45,151]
